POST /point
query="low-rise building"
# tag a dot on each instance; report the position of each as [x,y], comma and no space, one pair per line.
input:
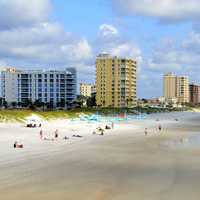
[86,90]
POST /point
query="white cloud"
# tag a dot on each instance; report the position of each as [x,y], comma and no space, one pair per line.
[108,30]
[45,43]
[126,50]
[111,41]
[18,13]
[165,10]
[179,57]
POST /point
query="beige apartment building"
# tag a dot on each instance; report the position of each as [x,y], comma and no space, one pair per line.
[176,88]
[115,81]
[87,89]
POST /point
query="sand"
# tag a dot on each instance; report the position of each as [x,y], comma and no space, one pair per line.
[121,165]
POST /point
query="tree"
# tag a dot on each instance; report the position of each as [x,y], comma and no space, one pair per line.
[91,101]
[19,104]
[1,102]
[62,103]
[5,104]
[129,102]
[14,104]
[81,100]
[38,103]
[104,103]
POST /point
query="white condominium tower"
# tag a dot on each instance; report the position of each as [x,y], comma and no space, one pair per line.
[52,86]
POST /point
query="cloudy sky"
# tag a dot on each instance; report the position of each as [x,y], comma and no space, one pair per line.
[162,35]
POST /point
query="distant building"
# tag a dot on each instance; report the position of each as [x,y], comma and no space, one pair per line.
[53,86]
[86,89]
[115,81]
[176,87]
[93,90]
[170,86]
[194,94]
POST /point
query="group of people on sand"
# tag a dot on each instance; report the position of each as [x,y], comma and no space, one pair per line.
[159,128]
[45,138]
[102,130]
[56,135]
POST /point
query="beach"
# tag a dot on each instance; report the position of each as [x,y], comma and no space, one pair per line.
[121,164]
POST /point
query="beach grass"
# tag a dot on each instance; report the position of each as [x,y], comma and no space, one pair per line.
[20,115]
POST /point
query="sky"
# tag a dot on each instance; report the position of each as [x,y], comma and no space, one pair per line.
[162,35]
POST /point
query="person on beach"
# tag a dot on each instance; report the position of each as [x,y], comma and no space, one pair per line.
[65,138]
[145,132]
[102,132]
[17,145]
[41,134]
[159,127]
[56,133]
[112,125]
[94,132]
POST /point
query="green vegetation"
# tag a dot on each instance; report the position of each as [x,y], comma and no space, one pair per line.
[20,115]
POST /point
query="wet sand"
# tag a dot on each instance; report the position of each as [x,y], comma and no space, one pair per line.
[123,164]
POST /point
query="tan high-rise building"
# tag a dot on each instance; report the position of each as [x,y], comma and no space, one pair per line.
[86,89]
[176,87]
[115,81]
[169,86]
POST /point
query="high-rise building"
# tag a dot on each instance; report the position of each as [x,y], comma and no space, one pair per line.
[86,89]
[170,88]
[183,89]
[115,81]
[194,94]
[55,87]
[176,87]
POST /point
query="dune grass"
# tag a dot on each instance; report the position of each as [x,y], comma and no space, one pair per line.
[20,115]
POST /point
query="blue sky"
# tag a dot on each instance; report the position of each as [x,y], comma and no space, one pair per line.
[162,36]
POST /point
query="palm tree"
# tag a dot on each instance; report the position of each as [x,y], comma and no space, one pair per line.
[14,104]
[129,102]
[104,102]
[5,104]
[19,104]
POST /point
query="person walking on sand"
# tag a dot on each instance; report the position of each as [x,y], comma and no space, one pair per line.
[41,134]
[112,125]
[145,132]
[159,127]
[56,133]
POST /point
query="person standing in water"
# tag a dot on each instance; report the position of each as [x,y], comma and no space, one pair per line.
[41,134]
[159,127]
[56,133]
[112,125]
[145,132]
